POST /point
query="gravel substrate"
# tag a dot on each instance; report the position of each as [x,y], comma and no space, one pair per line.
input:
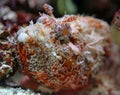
[16,91]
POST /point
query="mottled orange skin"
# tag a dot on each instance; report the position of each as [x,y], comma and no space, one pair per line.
[68,73]
[27,82]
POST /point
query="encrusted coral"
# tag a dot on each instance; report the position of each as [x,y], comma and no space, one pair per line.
[7,55]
